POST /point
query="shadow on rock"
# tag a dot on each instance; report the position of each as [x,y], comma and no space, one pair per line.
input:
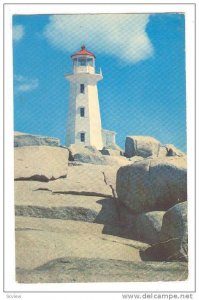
[108,213]
[170,250]
[110,216]
[127,232]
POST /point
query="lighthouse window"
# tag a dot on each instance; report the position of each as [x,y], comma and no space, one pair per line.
[89,61]
[82,61]
[82,136]
[82,112]
[82,88]
[75,61]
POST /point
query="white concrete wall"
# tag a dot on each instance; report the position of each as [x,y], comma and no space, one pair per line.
[71,115]
[91,123]
[82,123]
[108,137]
[95,119]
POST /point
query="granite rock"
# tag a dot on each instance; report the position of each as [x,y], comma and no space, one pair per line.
[42,163]
[148,226]
[25,139]
[152,184]
[141,146]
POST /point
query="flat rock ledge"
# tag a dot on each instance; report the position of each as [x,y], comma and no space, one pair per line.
[72,269]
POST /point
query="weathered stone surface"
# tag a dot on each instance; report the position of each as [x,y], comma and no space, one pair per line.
[92,149]
[44,204]
[116,160]
[68,202]
[127,218]
[73,231]
[42,163]
[152,184]
[84,154]
[64,212]
[75,269]
[106,151]
[44,240]
[114,147]
[92,156]
[87,179]
[135,159]
[175,231]
[141,146]
[148,226]
[112,150]
[73,251]
[173,245]
[162,151]
[170,150]
[25,139]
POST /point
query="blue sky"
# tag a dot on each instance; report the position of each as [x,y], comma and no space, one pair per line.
[143,63]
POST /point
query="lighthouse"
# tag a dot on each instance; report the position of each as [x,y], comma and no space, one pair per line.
[83,119]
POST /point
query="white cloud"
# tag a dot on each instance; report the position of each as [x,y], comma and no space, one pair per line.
[18,32]
[122,35]
[23,84]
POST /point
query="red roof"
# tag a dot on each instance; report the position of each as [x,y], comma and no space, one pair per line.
[84,51]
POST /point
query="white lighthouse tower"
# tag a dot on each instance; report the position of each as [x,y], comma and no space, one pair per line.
[83,120]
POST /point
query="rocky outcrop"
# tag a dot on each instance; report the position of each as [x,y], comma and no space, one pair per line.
[75,251]
[173,245]
[25,139]
[85,154]
[134,159]
[34,200]
[152,184]
[86,194]
[92,156]
[148,226]
[106,151]
[41,163]
[115,160]
[174,233]
[112,150]
[44,240]
[80,269]
[144,146]
[170,150]
[86,179]
[76,149]
[114,147]
[77,222]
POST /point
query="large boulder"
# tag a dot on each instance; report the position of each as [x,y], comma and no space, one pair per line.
[107,151]
[144,146]
[85,154]
[174,233]
[42,163]
[25,139]
[148,226]
[152,184]
[173,243]
[114,150]
[89,154]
